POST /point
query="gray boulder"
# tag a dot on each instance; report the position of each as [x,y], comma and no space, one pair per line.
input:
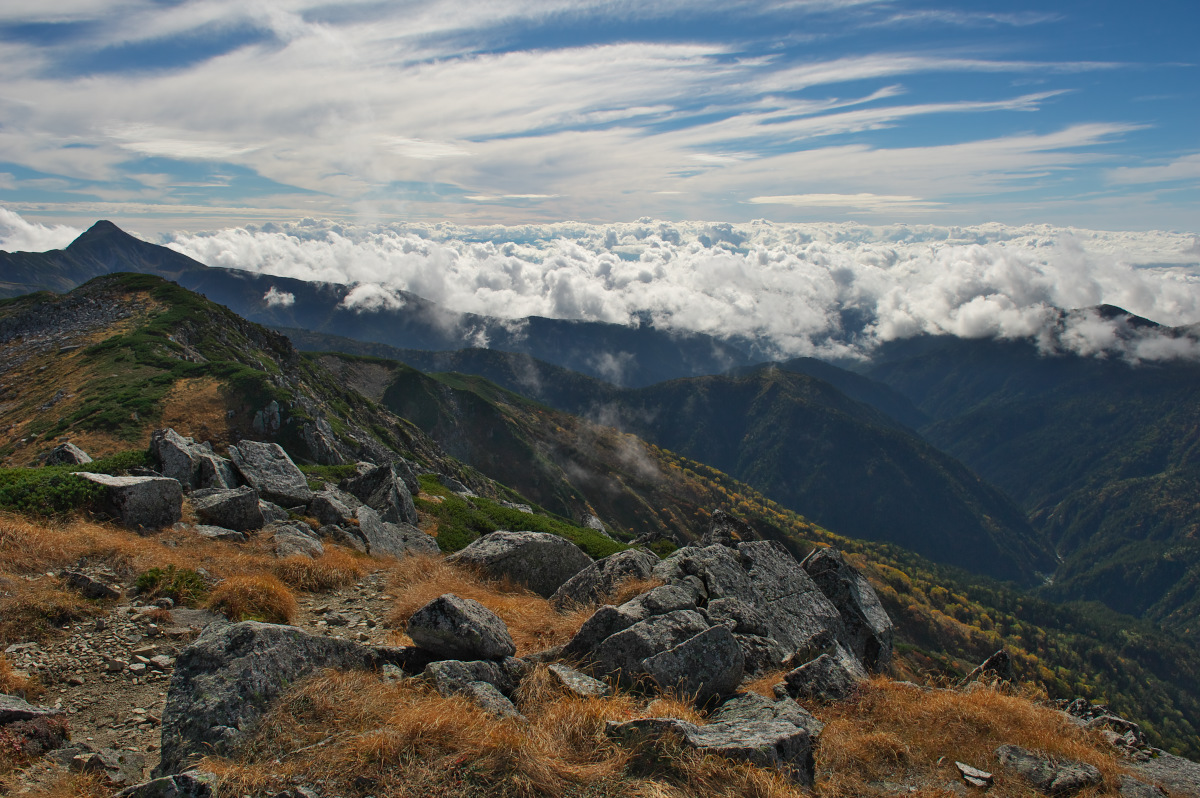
[385,539]
[267,468]
[383,489]
[92,585]
[347,536]
[1050,776]
[622,654]
[746,708]
[67,454]
[140,502]
[195,465]
[225,680]
[602,577]
[703,667]
[868,627]
[826,678]
[539,560]
[332,506]
[322,443]
[451,676]
[272,513]
[491,700]
[457,628]
[17,710]
[292,540]
[768,743]
[237,509]
[1134,788]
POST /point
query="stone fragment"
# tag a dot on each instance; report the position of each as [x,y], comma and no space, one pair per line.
[746,708]
[602,577]
[577,683]
[89,586]
[237,509]
[998,667]
[120,768]
[295,539]
[383,489]
[1052,777]
[15,710]
[869,629]
[457,628]
[539,560]
[219,533]
[621,655]
[267,468]
[974,776]
[139,502]
[193,784]
[67,454]
[491,700]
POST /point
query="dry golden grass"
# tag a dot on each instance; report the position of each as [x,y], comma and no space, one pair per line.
[196,407]
[68,785]
[630,589]
[532,621]
[333,569]
[764,685]
[901,733]
[34,609]
[406,740]
[254,597]
[13,683]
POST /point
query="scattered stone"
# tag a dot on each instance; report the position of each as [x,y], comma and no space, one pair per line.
[491,700]
[267,468]
[219,533]
[577,683]
[119,768]
[751,707]
[459,628]
[14,710]
[92,586]
[67,454]
[869,629]
[1060,778]
[237,509]
[1133,788]
[602,577]
[193,784]
[539,560]
[974,776]
[139,502]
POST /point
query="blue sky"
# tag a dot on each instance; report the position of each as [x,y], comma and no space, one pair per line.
[196,114]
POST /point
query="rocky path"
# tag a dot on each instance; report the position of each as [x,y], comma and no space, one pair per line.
[110,674]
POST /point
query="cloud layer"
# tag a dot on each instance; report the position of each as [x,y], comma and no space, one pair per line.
[830,290]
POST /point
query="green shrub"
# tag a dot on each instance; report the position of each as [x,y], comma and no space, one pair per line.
[181,585]
[55,491]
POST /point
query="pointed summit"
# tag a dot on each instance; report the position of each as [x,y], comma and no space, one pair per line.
[102,231]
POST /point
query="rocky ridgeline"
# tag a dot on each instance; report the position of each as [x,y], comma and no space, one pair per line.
[720,613]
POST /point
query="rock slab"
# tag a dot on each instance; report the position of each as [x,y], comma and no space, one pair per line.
[539,560]
[458,628]
[140,502]
[267,468]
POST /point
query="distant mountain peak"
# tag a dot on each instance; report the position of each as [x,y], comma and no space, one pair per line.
[1109,312]
[102,230]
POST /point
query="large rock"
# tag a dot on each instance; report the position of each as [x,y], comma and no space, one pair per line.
[236,509]
[621,655]
[761,592]
[385,539]
[67,454]
[140,502]
[577,683]
[701,668]
[829,677]
[17,710]
[602,577]
[1059,777]
[384,490]
[332,506]
[752,707]
[224,682]
[195,465]
[457,628]
[267,468]
[869,630]
[539,560]
[451,676]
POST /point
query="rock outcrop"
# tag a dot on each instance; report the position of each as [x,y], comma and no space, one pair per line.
[237,509]
[602,577]
[869,630]
[67,454]
[451,627]
[539,560]
[195,465]
[384,490]
[267,468]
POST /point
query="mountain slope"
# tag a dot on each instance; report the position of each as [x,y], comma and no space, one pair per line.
[1103,455]
[637,354]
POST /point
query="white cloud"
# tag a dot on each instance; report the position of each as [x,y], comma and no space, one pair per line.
[1185,168]
[865,201]
[18,235]
[789,288]
[279,299]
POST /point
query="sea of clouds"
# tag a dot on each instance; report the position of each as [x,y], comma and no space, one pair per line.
[829,290]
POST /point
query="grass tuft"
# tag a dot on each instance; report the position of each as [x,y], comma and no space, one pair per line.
[254,597]
[333,569]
